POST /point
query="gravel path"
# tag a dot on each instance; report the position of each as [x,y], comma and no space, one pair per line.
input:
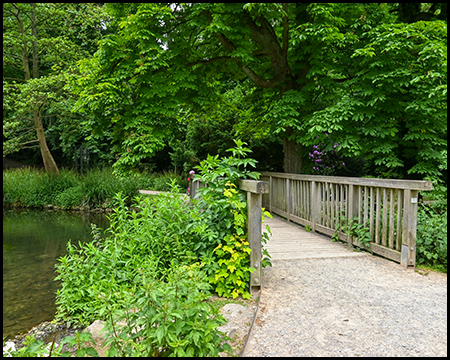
[349,306]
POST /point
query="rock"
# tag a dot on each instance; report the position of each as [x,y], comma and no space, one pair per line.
[96,331]
[8,348]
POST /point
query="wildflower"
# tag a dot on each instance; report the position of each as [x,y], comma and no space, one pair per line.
[192,172]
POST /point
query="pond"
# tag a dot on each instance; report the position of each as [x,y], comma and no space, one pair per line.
[33,240]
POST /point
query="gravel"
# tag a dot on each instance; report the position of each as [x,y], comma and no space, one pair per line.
[349,306]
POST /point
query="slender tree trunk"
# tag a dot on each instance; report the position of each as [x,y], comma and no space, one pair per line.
[47,158]
[293,160]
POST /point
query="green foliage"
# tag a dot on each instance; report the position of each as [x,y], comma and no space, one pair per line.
[154,237]
[224,208]
[167,318]
[392,108]
[37,348]
[70,198]
[156,267]
[355,230]
[41,45]
[431,243]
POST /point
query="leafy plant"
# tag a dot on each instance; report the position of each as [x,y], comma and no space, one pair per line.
[37,348]
[167,318]
[353,229]
[224,207]
[431,243]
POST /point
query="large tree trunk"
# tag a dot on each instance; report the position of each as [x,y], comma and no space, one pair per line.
[293,160]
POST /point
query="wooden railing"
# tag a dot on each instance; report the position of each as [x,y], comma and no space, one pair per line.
[387,208]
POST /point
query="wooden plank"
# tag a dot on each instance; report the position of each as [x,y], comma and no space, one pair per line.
[254,186]
[289,241]
[371,212]
[288,198]
[377,217]
[412,228]
[384,223]
[405,228]
[314,205]
[388,183]
[385,252]
[398,239]
[366,200]
[391,218]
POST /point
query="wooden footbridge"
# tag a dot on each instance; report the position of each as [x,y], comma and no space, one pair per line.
[383,210]
[290,241]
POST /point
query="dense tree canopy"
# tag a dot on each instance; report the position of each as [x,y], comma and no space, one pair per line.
[41,44]
[370,77]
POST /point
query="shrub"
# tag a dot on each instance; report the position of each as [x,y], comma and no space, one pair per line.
[158,234]
[431,243]
[224,208]
[167,318]
[162,182]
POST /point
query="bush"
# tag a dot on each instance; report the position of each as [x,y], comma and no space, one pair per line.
[225,210]
[158,234]
[168,318]
[431,241]
[158,260]
[162,182]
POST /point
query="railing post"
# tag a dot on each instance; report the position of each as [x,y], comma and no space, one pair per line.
[254,190]
[353,208]
[408,250]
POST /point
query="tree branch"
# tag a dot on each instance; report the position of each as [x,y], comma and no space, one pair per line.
[284,48]
[11,78]
[245,68]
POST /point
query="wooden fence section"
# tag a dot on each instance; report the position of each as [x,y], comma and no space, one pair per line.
[387,208]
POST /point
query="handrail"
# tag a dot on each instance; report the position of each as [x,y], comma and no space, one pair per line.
[388,183]
[387,208]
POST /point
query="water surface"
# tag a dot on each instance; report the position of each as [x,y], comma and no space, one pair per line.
[33,240]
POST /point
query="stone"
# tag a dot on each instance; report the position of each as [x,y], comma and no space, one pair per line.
[8,348]
[96,331]
[99,336]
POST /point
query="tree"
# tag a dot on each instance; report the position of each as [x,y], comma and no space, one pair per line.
[164,60]
[40,46]
[393,105]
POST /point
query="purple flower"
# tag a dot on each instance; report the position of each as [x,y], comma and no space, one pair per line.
[192,172]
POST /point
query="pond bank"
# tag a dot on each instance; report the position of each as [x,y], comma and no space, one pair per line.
[239,314]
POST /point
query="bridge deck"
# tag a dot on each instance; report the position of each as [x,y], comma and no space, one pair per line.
[290,241]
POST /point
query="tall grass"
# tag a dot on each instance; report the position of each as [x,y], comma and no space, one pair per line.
[26,187]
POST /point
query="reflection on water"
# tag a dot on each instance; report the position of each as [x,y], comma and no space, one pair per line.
[33,240]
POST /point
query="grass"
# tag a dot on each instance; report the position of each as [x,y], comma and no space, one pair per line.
[432,267]
[34,188]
